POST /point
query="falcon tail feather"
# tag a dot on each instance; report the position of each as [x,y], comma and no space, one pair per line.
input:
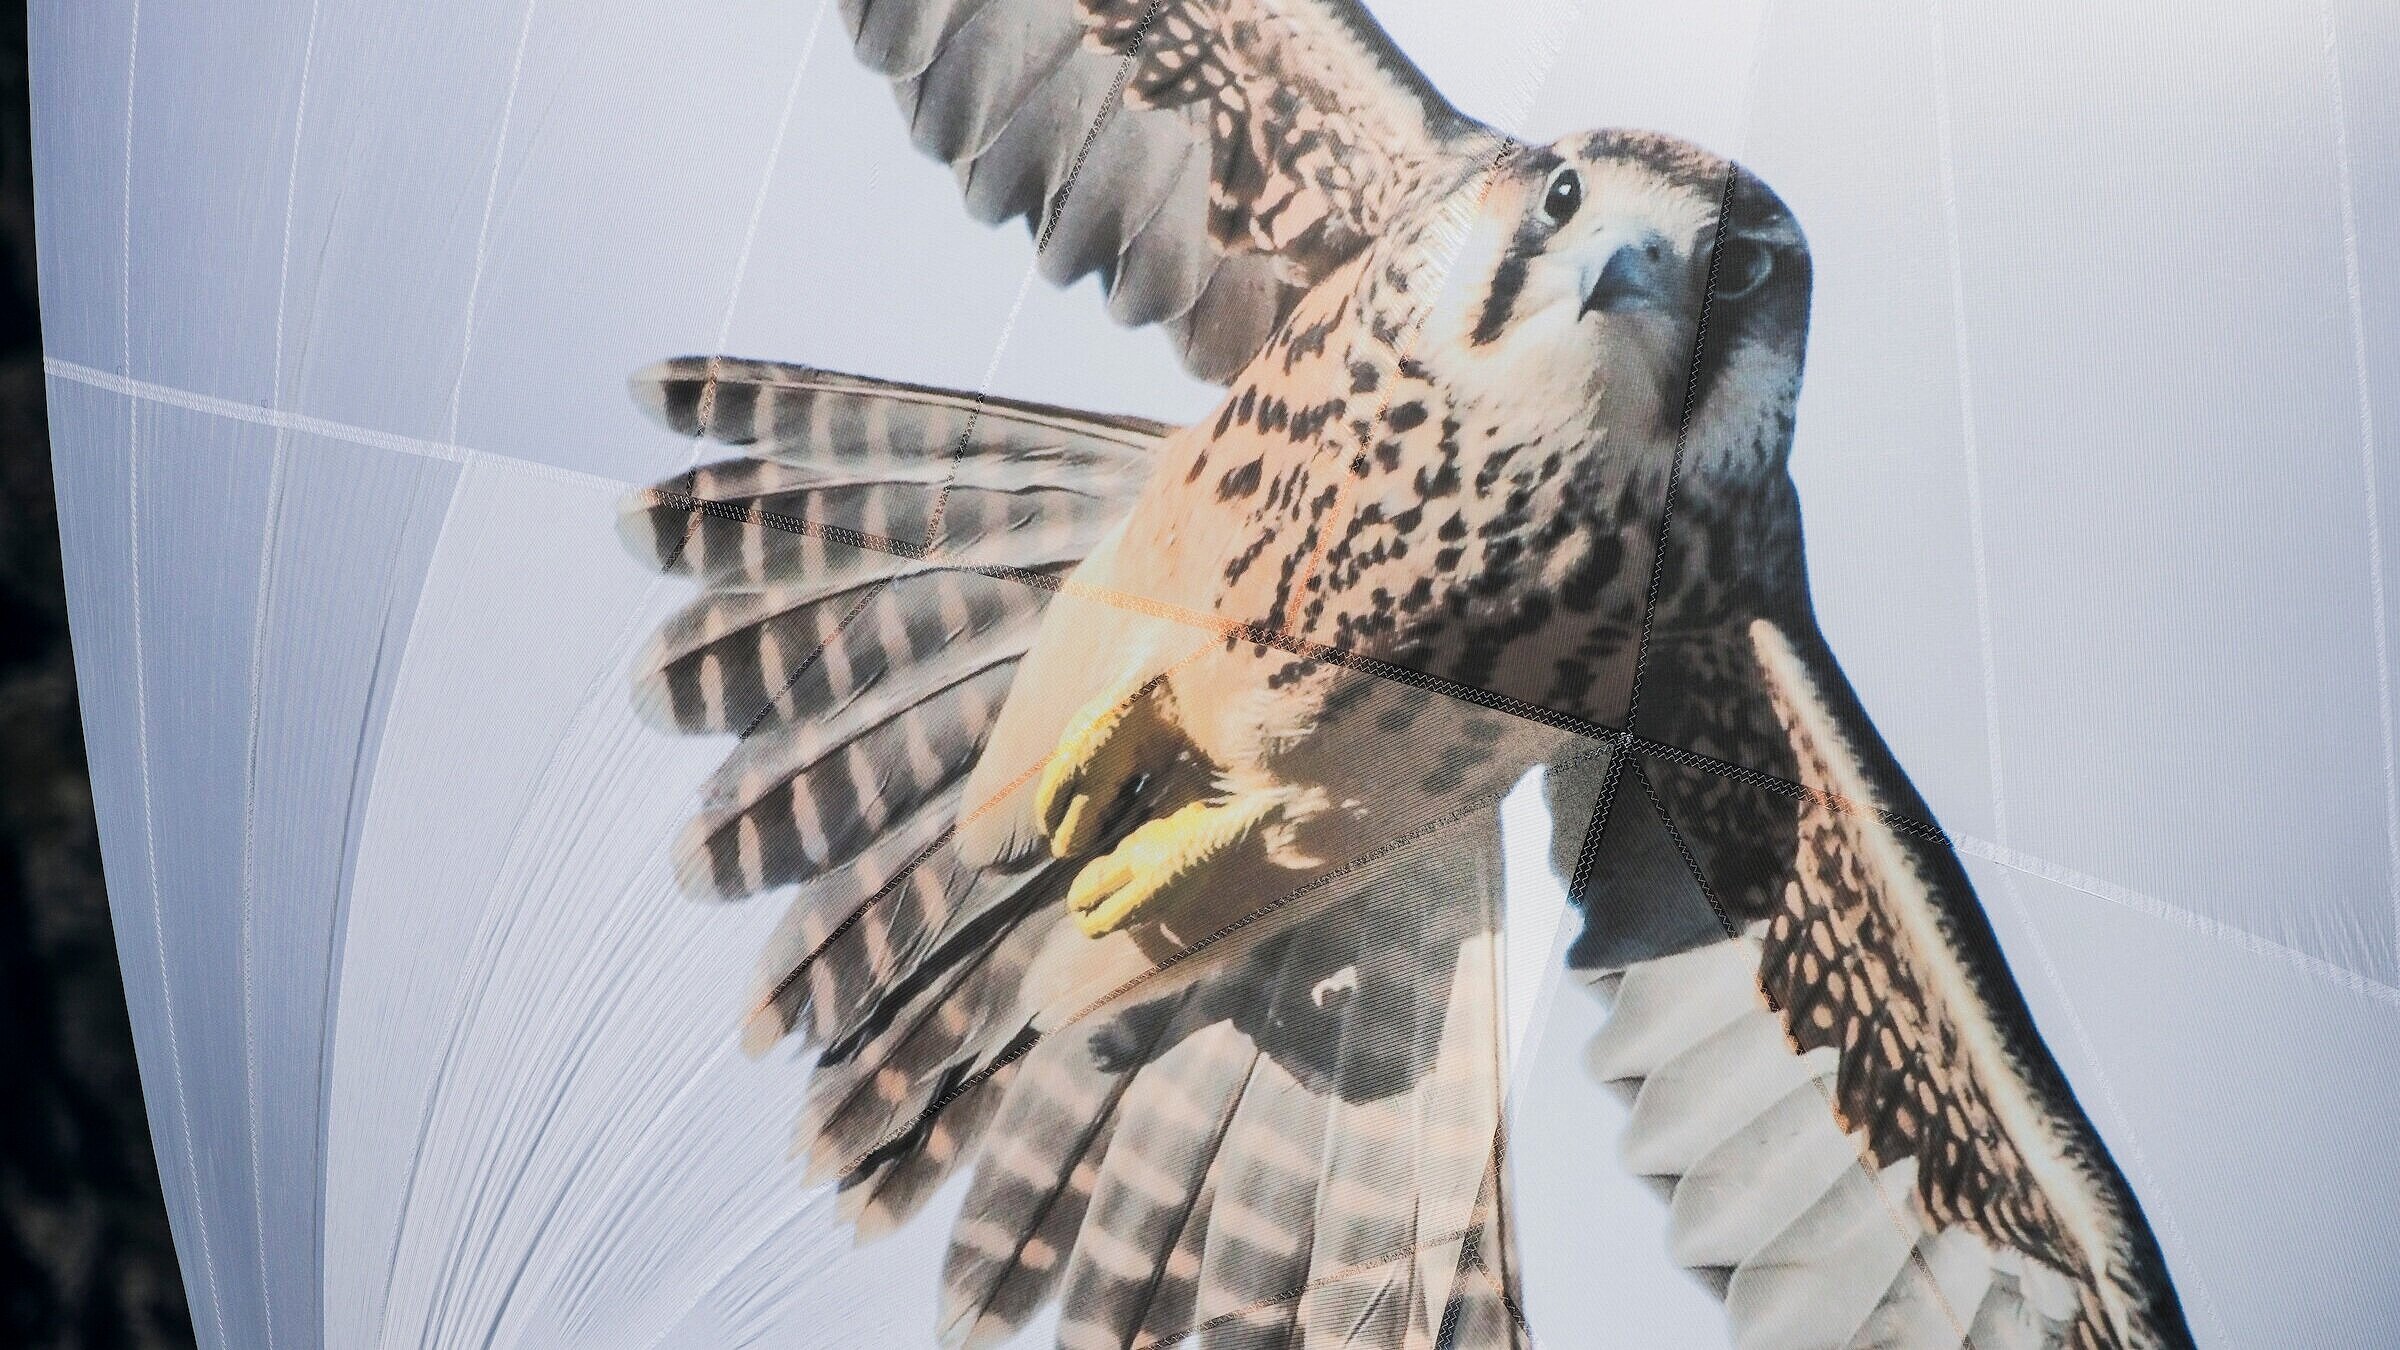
[869,571]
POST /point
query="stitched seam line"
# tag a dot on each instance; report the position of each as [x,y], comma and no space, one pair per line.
[1691,864]
[1415,835]
[1057,582]
[1479,1266]
[1683,429]
[1057,211]
[799,668]
[1588,856]
[1030,1038]
[1302,1290]
[899,878]
[1470,1262]
[1339,512]
[857,912]
[1866,1165]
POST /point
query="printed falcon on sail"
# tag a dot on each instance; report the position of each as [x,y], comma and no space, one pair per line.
[1137,786]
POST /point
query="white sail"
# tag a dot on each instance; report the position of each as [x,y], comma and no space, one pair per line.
[340,299]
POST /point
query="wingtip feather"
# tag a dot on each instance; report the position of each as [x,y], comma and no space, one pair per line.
[762,1030]
[656,391]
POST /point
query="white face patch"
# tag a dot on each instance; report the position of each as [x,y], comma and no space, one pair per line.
[1510,322]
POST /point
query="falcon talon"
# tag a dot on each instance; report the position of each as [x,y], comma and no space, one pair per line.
[1151,864]
[1114,741]
[1461,374]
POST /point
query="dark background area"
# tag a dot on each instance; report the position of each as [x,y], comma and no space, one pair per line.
[85,1257]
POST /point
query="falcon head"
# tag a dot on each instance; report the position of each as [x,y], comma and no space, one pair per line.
[1591,268]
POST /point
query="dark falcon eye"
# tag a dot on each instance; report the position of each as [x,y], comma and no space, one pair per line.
[1744,269]
[1565,194]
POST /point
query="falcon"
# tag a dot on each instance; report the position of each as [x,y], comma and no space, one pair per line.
[1137,786]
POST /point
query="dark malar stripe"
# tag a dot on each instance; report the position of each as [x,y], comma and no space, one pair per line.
[1508,282]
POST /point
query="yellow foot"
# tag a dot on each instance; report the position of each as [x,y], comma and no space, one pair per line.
[1155,861]
[1112,740]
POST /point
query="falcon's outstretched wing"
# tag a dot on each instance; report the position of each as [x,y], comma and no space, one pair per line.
[1865,1139]
[1209,158]
[847,628]
[1285,1133]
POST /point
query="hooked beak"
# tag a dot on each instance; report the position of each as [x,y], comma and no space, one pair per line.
[1640,273]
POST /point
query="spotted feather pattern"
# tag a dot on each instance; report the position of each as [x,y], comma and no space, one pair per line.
[1871,1028]
[1316,1167]
[1771,1199]
[1295,1141]
[1210,159]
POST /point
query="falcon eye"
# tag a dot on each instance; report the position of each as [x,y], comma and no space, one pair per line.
[1564,196]
[1746,265]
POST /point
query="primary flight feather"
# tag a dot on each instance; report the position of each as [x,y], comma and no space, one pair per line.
[1138,785]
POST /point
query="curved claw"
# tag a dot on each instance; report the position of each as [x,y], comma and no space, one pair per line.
[1112,740]
[1155,861]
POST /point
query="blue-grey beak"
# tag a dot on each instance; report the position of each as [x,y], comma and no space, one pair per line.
[1641,274]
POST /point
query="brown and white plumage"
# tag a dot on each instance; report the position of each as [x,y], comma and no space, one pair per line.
[1863,1137]
[1210,160]
[1498,482]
